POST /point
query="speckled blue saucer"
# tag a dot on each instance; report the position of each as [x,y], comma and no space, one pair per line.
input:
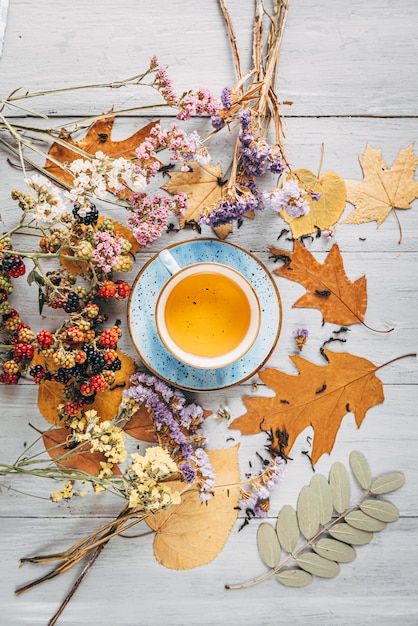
[141,316]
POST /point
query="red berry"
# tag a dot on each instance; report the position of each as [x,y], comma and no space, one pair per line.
[23,352]
[107,290]
[123,289]
[45,339]
[97,383]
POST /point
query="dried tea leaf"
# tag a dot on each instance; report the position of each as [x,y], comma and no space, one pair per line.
[339,481]
[362,521]
[308,512]
[287,528]
[202,186]
[383,189]
[381,510]
[324,212]
[317,565]
[361,469]
[268,545]
[193,533]
[319,396]
[97,138]
[340,300]
[79,458]
[323,496]
[335,550]
[387,483]
[49,397]
[349,534]
[294,578]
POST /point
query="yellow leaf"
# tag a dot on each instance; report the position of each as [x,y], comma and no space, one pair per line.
[324,212]
[201,186]
[193,533]
[383,188]
[49,397]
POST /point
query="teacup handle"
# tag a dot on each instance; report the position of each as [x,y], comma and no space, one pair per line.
[169,261]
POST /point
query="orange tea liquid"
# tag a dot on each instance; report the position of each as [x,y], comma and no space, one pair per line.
[207,314]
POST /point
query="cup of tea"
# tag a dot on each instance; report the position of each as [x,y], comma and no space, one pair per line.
[207,314]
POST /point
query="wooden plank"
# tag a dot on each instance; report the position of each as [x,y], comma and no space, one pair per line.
[352,58]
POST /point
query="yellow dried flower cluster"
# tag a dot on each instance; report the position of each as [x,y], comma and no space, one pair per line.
[103,436]
[146,473]
[66,494]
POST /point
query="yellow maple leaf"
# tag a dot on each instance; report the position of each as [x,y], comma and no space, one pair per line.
[383,188]
[324,212]
[193,533]
[203,189]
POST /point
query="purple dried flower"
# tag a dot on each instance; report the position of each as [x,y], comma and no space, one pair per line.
[189,472]
[226,98]
[316,196]
[217,122]
[300,332]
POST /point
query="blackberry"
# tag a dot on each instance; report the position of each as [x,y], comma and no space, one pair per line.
[8,262]
[89,399]
[84,215]
[115,366]
[36,371]
[63,375]
[73,303]
[97,363]
[79,369]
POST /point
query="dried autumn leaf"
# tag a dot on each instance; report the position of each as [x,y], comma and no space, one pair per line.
[106,402]
[340,300]
[324,212]
[383,189]
[79,458]
[141,425]
[49,397]
[203,189]
[320,396]
[193,533]
[98,137]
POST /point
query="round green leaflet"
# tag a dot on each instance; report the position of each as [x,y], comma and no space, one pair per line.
[307,512]
[339,481]
[335,550]
[387,483]
[320,487]
[362,521]
[268,545]
[317,565]
[294,578]
[361,469]
[348,534]
[287,528]
[381,510]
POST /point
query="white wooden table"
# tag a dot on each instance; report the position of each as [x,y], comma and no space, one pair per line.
[350,70]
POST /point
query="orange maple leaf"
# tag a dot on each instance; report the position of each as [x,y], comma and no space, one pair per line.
[328,288]
[98,137]
[320,396]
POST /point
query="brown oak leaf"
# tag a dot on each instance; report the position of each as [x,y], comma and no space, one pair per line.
[141,425]
[319,396]
[328,288]
[324,212]
[193,533]
[203,189]
[78,458]
[98,137]
[383,189]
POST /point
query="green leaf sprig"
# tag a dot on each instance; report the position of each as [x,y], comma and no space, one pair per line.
[329,537]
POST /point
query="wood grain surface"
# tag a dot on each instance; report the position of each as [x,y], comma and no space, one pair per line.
[350,70]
